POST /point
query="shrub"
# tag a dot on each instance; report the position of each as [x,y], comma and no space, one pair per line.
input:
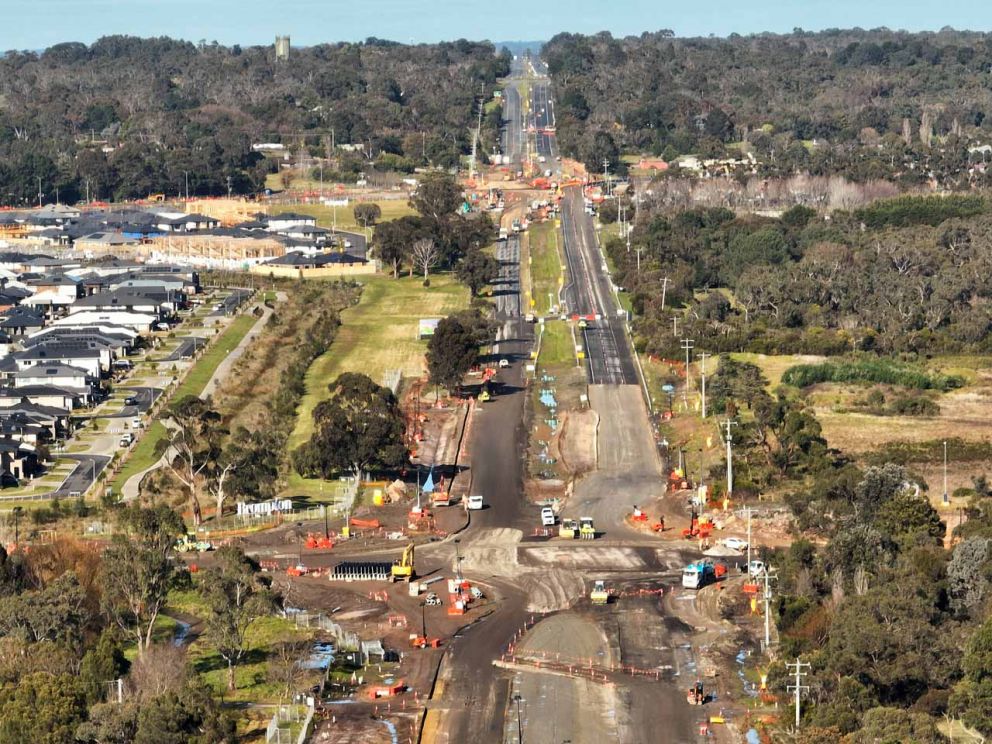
[875,370]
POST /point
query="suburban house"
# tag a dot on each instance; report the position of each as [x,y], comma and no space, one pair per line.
[148,300]
[17,460]
[120,341]
[19,321]
[138,322]
[280,223]
[171,222]
[47,396]
[58,375]
[82,355]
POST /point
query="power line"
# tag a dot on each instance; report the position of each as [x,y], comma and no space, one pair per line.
[798,687]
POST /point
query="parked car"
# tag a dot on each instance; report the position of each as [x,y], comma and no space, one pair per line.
[137,423]
[504,363]
[127,440]
[130,401]
[735,543]
[475,503]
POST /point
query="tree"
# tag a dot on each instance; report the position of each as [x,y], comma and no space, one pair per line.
[359,428]
[896,725]
[969,575]
[191,445]
[437,197]
[451,352]
[476,270]
[41,709]
[367,213]
[136,574]
[237,598]
[393,241]
[189,716]
[972,697]
[286,662]
[55,612]
[909,518]
[101,664]
[425,256]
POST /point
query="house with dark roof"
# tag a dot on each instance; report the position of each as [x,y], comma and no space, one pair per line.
[93,360]
[46,396]
[147,300]
[287,220]
[57,375]
[21,320]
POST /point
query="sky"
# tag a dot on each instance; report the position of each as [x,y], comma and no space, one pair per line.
[36,24]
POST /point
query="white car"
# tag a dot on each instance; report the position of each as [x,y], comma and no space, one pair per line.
[547,517]
[735,543]
[756,568]
[475,503]
[504,363]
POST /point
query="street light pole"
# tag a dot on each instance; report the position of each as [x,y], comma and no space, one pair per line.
[520,728]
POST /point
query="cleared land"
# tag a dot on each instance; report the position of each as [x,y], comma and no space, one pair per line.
[378,335]
[344,217]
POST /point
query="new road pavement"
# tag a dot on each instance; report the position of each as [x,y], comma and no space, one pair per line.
[609,358]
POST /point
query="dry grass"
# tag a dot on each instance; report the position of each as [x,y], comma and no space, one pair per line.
[379,334]
[774,366]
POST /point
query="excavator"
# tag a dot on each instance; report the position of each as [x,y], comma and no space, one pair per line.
[402,569]
[695,695]
[696,528]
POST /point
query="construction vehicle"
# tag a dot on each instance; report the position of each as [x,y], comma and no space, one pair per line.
[587,530]
[569,529]
[402,569]
[639,515]
[189,544]
[695,695]
[485,397]
[699,574]
[599,594]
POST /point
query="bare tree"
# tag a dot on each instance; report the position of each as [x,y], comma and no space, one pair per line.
[425,256]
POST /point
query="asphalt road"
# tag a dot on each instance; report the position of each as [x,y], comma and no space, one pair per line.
[187,346]
[145,397]
[231,303]
[609,359]
[513,128]
[89,467]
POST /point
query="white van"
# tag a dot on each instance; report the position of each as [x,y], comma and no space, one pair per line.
[137,423]
[475,503]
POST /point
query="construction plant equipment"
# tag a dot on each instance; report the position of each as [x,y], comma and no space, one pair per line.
[402,569]
[422,641]
[569,529]
[695,695]
[599,594]
[696,528]
[189,544]
[318,542]
[587,530]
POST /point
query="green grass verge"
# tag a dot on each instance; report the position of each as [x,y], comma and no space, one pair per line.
[206,365]
[142,456]
[314,490]
[379,334]
[545,267]
[557,348]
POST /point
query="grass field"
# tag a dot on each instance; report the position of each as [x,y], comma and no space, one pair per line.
[379,334]
[206,365]
[391,209]
[545,267]
[773,367]
[557,347]
[142,456]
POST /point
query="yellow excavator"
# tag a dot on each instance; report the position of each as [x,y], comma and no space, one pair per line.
[403,568]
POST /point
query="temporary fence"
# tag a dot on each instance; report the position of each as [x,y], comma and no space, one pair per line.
[290,724]
[345,639]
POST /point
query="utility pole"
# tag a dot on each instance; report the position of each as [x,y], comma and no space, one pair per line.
[638,249]
[747,510]
[798,687]
[664,290]
[730,466]
[186,176]
[39,191]
[687,347]
[946,500]
[606,175]
[675,326]
[768,576]
[702,370]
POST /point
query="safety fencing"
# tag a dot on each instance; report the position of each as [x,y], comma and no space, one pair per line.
[290,724]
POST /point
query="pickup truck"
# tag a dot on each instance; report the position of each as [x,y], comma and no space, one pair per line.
[127,440]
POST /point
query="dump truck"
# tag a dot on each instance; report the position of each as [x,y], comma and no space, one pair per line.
[587,530]
[599,594]
[402,570]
